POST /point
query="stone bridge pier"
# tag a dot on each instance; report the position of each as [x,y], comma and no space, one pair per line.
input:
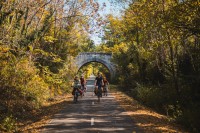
[103,58]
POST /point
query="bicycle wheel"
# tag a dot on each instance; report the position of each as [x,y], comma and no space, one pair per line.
[99,94]
[75,97]
[99,98]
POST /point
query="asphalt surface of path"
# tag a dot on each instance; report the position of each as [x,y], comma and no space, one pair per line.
[90,116]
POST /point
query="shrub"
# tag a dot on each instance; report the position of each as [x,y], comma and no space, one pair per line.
[37,89]
[151,96]
[190,117]
[9,124]
[19,79]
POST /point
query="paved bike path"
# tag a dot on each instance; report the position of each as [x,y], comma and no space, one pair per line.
[90,116]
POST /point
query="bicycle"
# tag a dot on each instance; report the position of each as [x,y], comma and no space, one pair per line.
[76,94]
[105,90]
[99,93]
[83,89]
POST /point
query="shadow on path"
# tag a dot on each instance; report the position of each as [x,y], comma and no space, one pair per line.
[89,116]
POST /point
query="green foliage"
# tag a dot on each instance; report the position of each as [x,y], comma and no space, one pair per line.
[9,124]
[37,89]
[155,47]
[23,76]
[149,95]
[37,42]
[190,117]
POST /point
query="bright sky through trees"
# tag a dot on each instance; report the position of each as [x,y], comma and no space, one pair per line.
[106,7]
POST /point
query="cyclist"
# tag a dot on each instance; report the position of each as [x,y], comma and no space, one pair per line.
[76,86]
[99,83]
[105,87]
[83,82]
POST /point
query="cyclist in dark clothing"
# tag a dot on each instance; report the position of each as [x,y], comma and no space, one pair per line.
[99,83]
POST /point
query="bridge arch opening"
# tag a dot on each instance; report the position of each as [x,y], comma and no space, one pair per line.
[93,67]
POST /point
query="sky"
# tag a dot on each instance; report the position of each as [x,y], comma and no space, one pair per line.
[109,9]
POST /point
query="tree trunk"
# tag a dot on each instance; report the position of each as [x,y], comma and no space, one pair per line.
[174,75]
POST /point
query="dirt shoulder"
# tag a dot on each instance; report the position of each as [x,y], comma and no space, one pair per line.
[144,117]
[38,118]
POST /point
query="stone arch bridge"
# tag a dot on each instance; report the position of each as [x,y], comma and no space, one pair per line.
[103,58]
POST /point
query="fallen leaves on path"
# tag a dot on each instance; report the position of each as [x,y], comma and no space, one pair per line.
[145,118]
[39,118]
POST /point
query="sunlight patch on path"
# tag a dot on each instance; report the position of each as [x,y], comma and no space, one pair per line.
[92,121]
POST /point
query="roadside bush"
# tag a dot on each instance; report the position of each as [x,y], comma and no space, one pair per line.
[21,75]
[24,86]
[37,89]
[151,96]
[190,117]
[9,124]
[164,99]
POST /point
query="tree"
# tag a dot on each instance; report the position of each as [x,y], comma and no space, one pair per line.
[152,43]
